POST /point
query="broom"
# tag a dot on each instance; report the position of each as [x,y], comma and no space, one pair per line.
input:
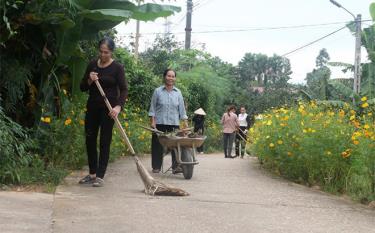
[152,186]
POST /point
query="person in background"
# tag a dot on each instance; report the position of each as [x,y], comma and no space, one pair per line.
[230,124]
[198,121]
[111,76]
[245,123]
[167,108]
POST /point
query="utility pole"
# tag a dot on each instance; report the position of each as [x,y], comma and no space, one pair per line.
[357,55]
[357,59]
[136,43]
[188,24]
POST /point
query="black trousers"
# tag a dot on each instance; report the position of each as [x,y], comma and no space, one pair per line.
[228,139]
[200,131]
[240,141]
[98,118]
[157,148]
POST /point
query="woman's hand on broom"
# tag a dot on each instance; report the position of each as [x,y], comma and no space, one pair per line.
[115,111]
[93,77]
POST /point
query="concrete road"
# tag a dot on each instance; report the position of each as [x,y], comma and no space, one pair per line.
[22,212]
[226,195]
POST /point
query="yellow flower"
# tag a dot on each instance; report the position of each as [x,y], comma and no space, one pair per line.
[279,142]
[126,124]
[272,145]
[346,153]
[285,118]
[81,122]
[290,154]
[364,105]
[352,112]
[366,126]
[341,113]
[46,119]
[355,142]
[68,121]
[269,122]
[352,117]
[364,98]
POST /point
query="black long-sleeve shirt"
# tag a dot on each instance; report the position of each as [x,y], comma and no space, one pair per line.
[198,123]
[113,81]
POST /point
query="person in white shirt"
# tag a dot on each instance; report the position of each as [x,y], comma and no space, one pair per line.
[245,123]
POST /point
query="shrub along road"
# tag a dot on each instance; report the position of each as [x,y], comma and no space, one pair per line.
[226,195]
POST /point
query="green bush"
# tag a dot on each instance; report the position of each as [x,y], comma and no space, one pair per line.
[15,144]
[317,145]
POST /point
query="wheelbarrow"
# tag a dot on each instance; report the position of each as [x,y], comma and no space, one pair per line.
[184,147]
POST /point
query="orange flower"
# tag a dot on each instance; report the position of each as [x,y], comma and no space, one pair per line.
[68,121]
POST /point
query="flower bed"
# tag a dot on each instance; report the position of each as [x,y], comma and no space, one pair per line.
[319,145]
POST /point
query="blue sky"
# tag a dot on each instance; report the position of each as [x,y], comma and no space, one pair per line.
[213,15]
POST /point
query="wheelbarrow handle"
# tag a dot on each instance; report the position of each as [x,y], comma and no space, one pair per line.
[152,129]
[161,132]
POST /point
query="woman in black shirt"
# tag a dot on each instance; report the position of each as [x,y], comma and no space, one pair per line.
[111,76]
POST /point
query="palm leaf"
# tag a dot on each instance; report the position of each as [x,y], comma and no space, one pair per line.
[346,66]
[343,89]
[305,94]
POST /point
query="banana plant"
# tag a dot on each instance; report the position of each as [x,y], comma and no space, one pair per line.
[45,35]
[96,15]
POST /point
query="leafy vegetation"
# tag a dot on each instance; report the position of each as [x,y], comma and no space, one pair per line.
[45,47]
[316,144]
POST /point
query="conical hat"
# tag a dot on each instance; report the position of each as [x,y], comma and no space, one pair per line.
[200,111]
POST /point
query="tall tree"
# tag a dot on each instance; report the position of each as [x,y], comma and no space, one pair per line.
[261,70]
[317,80]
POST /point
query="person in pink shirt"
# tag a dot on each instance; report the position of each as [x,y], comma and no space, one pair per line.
[230,126]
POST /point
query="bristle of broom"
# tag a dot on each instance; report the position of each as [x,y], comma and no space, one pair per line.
[153,187]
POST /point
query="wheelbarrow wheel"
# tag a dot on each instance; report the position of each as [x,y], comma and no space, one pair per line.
[187,156]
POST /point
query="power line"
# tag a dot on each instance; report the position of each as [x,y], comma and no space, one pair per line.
[201,4]
[261,28]
[313,42]
[249,27]
[273,28]
[196,6]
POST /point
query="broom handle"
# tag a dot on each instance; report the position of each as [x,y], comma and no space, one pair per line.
[117,122]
